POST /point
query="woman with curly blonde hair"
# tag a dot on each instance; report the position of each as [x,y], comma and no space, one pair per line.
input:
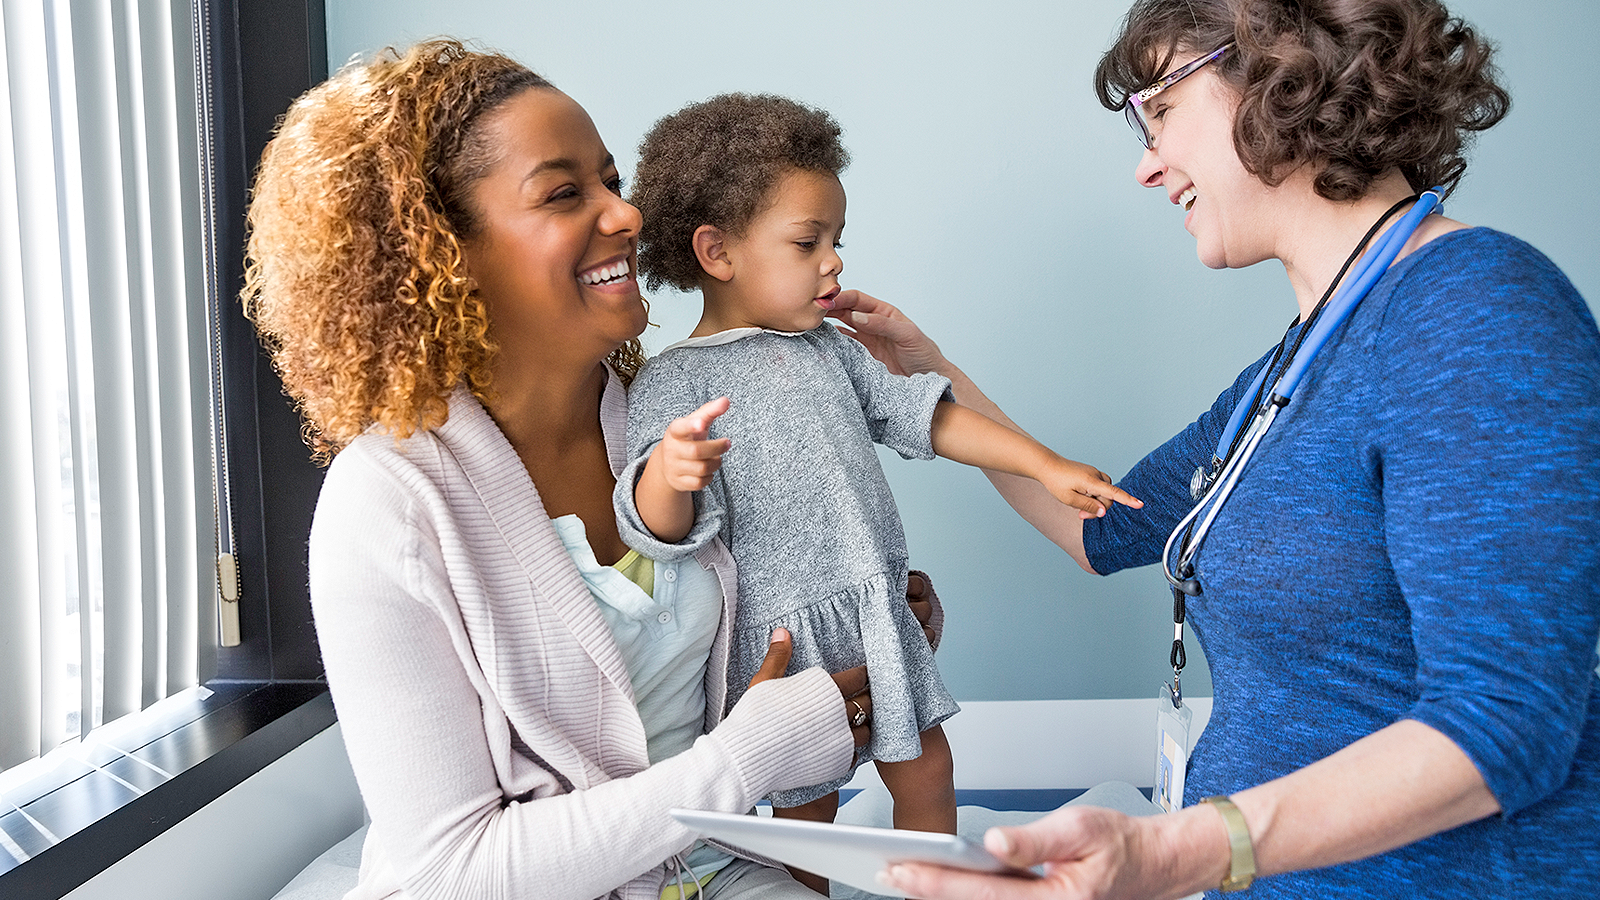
[1403,657]
[443,267]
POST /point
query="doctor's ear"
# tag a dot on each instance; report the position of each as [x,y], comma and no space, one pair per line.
[711,249]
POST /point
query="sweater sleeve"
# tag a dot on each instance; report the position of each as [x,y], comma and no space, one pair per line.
[1125,538]
[414,722]
[899,408]
[660,393]
[1491,493]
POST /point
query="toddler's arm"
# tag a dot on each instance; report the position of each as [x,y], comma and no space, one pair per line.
[681,464]
[970,437]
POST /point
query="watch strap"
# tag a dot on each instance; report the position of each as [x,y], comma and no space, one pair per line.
[1242,867]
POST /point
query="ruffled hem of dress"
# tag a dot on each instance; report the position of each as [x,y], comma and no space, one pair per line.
[868,623]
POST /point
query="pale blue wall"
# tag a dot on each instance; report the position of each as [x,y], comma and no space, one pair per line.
[992,198]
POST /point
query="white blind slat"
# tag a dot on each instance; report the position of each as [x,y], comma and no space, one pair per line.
[21,634]
[138,238]
[32,146]
[100,220]
[174,377]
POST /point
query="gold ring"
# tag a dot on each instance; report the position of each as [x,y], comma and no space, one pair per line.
[860,718]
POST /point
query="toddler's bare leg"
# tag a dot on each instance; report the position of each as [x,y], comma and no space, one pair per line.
[822,809]
[924,788]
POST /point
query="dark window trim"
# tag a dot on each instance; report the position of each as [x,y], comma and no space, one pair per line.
[268,693]
[264,54]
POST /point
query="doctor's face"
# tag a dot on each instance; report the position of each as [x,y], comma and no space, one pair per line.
[1227,209]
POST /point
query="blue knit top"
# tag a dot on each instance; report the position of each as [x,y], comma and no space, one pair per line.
[1418,536]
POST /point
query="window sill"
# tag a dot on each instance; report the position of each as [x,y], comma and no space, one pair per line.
[69,833]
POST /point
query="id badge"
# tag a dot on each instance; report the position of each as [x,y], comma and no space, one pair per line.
[1172,750]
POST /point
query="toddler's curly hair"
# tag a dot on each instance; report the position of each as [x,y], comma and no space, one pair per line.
[354,273]
[714,163]
[1352,88]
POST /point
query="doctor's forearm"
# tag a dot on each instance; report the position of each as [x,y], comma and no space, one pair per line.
[1398,785]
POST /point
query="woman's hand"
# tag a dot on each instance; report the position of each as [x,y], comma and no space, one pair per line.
[1402,783]
[1087,852]
[917,597]
[852,685]
[887,334]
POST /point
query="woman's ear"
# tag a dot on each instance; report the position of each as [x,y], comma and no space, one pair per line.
[711,249]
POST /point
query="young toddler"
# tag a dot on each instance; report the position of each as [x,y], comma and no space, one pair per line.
[759,428]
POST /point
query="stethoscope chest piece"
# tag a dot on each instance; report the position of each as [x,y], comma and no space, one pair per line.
[1203,478]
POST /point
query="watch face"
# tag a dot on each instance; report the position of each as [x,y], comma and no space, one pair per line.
[1232,883]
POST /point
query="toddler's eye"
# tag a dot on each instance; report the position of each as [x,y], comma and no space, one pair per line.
[807,246]
[838,245]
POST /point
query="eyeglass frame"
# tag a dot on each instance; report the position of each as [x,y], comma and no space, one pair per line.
[1131,106]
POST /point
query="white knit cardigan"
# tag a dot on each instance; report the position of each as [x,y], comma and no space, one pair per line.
[486,709]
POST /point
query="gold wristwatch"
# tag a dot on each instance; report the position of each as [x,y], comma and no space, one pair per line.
[1242,868]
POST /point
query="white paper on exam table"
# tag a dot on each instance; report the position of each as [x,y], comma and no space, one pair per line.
[849,854]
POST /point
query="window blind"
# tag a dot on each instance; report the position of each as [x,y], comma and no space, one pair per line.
[106,519]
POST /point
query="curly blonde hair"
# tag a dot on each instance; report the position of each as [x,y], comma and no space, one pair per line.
[354,274]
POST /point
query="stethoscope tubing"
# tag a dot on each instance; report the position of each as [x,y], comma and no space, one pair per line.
[1367,273]
[1348,297]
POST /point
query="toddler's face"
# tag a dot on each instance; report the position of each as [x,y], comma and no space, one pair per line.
[786,265]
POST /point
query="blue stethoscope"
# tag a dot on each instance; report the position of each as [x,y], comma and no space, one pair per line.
[1212,486]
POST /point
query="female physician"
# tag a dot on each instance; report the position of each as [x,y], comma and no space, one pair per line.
[1394,581]
[444,269]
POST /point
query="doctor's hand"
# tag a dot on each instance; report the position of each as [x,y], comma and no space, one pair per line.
[887,334]
[1087,852]
[852,685]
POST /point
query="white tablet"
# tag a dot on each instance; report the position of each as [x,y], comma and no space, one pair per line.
[848,854]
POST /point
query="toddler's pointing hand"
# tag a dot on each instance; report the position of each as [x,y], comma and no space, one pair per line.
[1085,488]
[687,456]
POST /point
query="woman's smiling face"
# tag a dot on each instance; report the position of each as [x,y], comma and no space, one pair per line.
[554,256]
[1225,207]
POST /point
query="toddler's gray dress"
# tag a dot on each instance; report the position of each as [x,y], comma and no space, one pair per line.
[803,504]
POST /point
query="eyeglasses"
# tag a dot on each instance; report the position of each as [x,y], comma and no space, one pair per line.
[1133,108]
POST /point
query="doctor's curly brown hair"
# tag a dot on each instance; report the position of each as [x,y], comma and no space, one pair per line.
[354,272]
[1351,88]
[713,163]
